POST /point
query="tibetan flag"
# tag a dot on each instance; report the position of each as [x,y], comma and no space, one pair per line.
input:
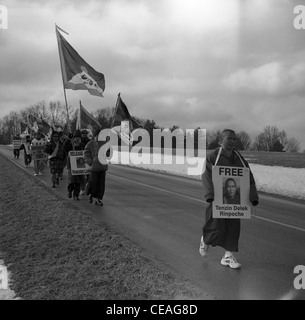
[23,128]
[123,123]
[38,124]
[86,121]
[45,127]
[34,123]
[76,72]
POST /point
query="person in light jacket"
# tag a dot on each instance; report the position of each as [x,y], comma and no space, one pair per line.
[218,231]
[98,163]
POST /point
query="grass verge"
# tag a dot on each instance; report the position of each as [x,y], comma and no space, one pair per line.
[55,251]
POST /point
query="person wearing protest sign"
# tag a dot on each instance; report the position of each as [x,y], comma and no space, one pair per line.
[85,140]
[26,147]
[231,195]
[74,181]
[16,147]
[98,166]
[38,141]
[54,148]
[223,232]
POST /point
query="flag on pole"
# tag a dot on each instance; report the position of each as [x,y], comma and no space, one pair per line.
[23,127]
[35,124]
[46,128]
[86,121]
[77,73]
[123,123]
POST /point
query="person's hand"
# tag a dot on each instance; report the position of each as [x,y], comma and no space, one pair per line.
[254,203]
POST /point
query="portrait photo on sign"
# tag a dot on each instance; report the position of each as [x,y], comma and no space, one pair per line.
[231,190]
[80,162]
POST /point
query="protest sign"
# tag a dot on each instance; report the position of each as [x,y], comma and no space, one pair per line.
[16,144]
[38,152]
[78,164]
[231,192]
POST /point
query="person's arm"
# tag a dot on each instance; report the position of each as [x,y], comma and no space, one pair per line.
[87,154]
[207,183]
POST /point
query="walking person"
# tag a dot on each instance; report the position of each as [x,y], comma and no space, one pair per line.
[218,231]
[85,140]
[26,147]
[38,141]
[75,182]
[98,163]
[16,148]
[56,157]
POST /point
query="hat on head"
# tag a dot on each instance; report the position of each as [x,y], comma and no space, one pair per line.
[77,133]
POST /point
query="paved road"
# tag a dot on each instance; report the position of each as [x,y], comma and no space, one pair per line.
[164,215]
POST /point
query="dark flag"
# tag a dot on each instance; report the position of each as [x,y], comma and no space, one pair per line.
[23,128]
[86,121]
[77,73]
[123,123]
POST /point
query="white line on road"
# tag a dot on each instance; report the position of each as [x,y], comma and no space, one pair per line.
[201,201]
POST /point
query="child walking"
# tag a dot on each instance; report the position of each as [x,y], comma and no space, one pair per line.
[38,164]
[56,157]
[26,147]
[75,182]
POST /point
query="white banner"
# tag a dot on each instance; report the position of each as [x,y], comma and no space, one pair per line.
[78,164]
[231,192]
[16,144]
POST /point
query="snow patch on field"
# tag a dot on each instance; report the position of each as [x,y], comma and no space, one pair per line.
[289,182]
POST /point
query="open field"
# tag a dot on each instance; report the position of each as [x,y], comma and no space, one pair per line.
[281,159]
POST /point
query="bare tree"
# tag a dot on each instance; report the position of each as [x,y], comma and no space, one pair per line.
[292,145]
[271,139]
[243,141]
[213,139]
[104,117]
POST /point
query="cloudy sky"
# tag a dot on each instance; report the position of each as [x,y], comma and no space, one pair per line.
[206,63]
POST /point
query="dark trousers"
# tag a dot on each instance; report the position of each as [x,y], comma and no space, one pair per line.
[16,153]
[27,159]
[97,181]
[221,232]
[74,187]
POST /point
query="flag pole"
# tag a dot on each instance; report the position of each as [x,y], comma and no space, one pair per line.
[62,74]
[79,113]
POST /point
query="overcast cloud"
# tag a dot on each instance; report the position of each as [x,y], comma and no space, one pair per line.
[206,63]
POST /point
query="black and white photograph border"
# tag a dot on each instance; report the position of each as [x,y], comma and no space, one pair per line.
[176,69]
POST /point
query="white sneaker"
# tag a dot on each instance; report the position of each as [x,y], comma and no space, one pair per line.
[231,262]
[35,174]
[39,173]
[203,248]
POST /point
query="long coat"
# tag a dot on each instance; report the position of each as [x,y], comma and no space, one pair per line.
[223,232]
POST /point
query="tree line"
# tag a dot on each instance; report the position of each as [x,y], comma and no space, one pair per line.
[55,113]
